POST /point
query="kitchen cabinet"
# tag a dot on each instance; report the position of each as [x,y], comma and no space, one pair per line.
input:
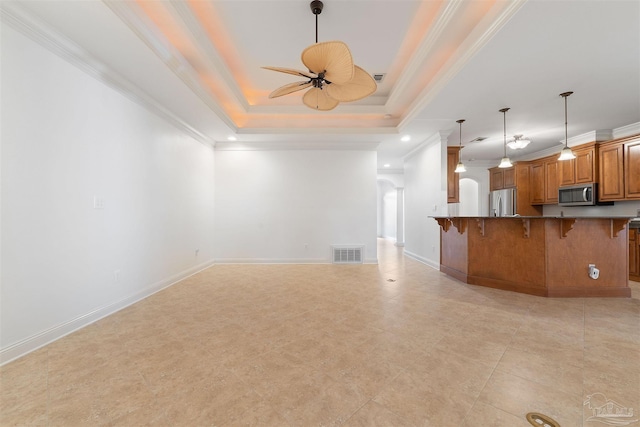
[632,169]
[634,254]
[537,183]
[619,163]
[500,178]
[544,181]
[496,179]
[551,180]
[610,160]
[516,177]
[581,170]
[453,179]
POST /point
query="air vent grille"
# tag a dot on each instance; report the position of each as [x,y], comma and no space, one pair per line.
[347,254]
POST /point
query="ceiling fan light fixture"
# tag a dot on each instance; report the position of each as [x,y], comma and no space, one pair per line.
[518,143]
[332,76]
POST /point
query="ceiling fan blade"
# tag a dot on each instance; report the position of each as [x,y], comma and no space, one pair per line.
[291,71]
[334,58]
[319,100]
[290,88]
[361,86]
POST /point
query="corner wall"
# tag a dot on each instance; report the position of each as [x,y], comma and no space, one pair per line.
[425,195]
[103,202]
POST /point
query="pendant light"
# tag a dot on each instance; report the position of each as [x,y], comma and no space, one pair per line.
[505,162]
[566,153]
[460,167]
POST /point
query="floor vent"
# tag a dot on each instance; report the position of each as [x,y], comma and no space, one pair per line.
[347,254]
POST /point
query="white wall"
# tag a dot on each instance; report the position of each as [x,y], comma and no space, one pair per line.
[425,195]
[387,201]
[289,206]
[469,197]
[67,138]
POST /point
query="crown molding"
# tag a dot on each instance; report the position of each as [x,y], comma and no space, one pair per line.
[296,146]
[183,13]
[439,137]
[422,53]
[476,40]
[168,55]
[595,135]
[628,130]
[35,29]
[321,131]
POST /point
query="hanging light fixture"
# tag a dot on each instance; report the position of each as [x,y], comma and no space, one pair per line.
[505,162]
[566,153]
[518,142]
[460,167]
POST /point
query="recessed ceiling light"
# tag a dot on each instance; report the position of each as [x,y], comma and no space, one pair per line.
[232,138]
[405,138]
[387,165]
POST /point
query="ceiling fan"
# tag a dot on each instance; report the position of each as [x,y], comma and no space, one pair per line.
[332,76]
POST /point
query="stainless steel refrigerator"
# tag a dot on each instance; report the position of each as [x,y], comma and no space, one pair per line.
[502,202]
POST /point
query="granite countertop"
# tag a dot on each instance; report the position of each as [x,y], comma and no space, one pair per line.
[633,220]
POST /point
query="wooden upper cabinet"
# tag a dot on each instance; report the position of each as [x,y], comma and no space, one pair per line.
[544,181]
[582,169]
[536,180]
[453,180]
[500,178]
[496,179]
[611,175]
[567,172]
[509,177]
[632,169]
[586,164]
[551,180]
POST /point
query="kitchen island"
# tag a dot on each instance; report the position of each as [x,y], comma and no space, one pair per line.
[544,256]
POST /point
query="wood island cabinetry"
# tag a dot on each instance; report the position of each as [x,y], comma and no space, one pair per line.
[634,254]
[545,256]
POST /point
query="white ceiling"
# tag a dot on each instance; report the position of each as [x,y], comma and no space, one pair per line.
[199,60]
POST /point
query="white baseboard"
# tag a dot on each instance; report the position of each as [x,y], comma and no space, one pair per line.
[423,260]
[283,261]
[50,335]
[272,261]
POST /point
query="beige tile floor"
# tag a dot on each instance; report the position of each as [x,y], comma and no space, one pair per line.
[394,344]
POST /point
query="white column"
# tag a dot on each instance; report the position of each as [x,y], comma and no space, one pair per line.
[400,217]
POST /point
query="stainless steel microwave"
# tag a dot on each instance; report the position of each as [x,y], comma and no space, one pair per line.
[578,195]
